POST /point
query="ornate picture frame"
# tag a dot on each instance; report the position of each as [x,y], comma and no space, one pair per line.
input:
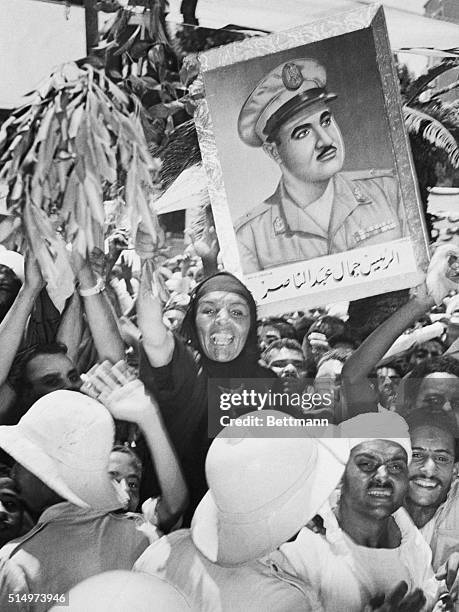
[388,250]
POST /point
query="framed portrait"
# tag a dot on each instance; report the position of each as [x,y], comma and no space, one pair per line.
[309,169]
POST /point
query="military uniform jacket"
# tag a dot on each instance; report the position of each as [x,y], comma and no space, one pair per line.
[366,210]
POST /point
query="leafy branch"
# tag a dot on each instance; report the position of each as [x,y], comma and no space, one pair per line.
[78,138]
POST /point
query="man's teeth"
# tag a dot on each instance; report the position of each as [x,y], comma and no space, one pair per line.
[380,492]
[424,483]
[221,339]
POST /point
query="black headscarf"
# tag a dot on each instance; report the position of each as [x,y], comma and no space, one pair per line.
[246,363]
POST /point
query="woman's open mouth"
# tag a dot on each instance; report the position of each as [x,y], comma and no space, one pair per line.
[221,339]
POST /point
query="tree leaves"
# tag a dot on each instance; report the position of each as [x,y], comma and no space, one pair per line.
[433,131]
[49,249]
[128,44]
[59,154]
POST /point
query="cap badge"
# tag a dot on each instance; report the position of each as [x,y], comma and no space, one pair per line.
[278,226]
[291,76]
[358,195]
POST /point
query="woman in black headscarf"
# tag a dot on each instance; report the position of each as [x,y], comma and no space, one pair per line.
[218,341]
[221,325]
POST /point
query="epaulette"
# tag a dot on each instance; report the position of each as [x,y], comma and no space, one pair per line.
[370,173]
[251,214]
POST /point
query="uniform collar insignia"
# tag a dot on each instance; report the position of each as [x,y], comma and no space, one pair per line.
[279,226]
[359,195]
[345,201]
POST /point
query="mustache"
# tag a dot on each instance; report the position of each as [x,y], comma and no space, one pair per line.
[375,484]
[325,151]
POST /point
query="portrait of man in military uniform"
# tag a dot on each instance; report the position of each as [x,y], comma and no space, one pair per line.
[317,209]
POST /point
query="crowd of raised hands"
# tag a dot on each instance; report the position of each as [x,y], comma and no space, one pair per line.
[142,335]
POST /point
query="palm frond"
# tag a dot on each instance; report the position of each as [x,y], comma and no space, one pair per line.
[178,152]
[433,132]
[447,113]
[422,82]
[436,93]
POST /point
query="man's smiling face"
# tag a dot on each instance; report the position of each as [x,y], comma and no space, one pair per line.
[432,466]
[309,146]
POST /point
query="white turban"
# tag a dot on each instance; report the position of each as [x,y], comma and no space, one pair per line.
[377,426]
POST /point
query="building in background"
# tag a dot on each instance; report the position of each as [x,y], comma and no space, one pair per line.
[448,10]
[35,37]
[444,10]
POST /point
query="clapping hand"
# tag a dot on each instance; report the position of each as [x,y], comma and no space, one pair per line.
[399,600]
[98,262]
[33,278]
[118,241]
[144,244]
[449,572]
[126,269]
[119,390]
[443,272]
[206,246]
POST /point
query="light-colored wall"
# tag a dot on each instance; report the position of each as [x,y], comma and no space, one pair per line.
[34,38]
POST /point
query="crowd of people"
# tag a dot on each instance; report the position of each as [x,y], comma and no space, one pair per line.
[113,495]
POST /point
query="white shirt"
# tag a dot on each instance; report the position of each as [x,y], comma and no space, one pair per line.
[67,545]
[257,586]
[346,576]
